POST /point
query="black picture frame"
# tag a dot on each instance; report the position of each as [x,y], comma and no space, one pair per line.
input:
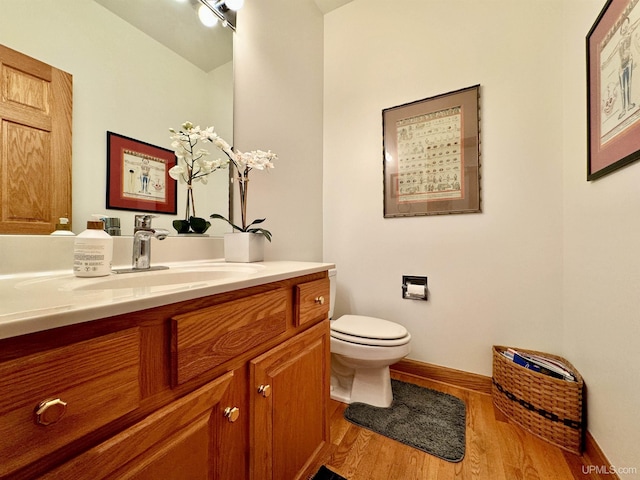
[613,96]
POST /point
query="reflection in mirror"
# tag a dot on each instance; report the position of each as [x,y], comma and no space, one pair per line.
[128,82]
[176,25]
[35,171]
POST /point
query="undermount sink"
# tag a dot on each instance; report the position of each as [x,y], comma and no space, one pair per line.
[164,277]
[183,276]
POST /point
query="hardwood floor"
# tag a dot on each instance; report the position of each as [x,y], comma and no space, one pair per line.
[495,449]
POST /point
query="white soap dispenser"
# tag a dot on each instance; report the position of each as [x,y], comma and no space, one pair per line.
[63,228]
[93,251]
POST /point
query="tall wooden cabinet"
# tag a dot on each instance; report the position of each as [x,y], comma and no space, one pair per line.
[233,386]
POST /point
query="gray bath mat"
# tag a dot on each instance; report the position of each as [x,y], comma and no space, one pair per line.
[431,421]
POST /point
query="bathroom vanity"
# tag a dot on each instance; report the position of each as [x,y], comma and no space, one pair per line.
[217,378]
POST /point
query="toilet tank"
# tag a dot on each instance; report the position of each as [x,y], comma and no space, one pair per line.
[332,290]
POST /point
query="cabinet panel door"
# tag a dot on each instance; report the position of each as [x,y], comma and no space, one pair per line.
[232,432]
[174,443]
[35,144]
[289,405]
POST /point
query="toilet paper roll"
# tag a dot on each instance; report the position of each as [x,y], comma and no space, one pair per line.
[415,290]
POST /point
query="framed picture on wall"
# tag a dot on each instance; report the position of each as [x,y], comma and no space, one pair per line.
[138,176]
[431,155]
[613,98]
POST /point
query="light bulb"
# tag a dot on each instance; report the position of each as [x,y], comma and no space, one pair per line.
[206,16]
[234,4]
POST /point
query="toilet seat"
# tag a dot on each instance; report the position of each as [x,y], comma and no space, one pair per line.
[365,330]
[371,342]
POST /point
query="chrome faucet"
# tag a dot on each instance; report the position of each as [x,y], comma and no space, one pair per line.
[142,234]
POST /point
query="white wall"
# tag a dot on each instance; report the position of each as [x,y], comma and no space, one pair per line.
[278,106]
[601,266]
[551,262]
[124,82]
[494,277]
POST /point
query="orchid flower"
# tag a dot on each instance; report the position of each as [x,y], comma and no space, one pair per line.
[192,166]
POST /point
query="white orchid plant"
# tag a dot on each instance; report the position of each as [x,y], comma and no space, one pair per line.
[193,166]
[243,164]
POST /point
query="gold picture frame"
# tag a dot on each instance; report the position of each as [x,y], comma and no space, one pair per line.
[431,155]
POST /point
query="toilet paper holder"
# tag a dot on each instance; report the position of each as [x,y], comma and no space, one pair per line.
[414,287]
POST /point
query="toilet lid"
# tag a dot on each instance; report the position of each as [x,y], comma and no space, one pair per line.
[368,327]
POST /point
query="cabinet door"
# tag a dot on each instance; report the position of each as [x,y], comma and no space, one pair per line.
[175,443]
[232,430]
[289,405]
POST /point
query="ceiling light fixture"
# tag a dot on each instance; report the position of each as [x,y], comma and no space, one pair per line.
[234,4]
[207,16]
[224,10]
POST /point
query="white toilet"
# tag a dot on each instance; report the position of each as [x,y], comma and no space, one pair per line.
[362,348]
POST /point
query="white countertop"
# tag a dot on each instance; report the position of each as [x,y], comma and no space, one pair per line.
[32,302]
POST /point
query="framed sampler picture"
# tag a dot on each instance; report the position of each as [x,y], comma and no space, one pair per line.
[138,176]
[613,92]
[431,155]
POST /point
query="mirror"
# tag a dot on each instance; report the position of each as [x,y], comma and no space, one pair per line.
[138,69]
[175,24]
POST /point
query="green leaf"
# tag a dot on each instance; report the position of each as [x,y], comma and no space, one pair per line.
[181,226]
[261,231]
[199,225]
[259,220]
[220,217]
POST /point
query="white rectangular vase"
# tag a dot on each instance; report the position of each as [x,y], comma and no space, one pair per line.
[243,247]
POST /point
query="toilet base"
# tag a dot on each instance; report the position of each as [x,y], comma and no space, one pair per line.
[339,393]
[367,385]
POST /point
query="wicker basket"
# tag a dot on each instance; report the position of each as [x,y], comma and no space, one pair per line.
[547,407]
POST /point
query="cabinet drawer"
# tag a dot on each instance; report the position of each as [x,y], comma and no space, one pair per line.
[311,301]
[206,338]
[97,379]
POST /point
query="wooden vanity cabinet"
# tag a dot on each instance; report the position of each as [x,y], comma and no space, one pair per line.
[233,386]
[280,407]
